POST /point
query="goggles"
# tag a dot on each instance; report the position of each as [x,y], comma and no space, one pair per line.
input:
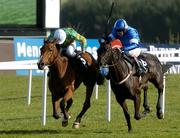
[120,30]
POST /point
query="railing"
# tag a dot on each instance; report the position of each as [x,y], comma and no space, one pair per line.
[167,60]
[29,65]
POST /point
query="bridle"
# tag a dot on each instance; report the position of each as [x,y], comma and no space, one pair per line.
[115,64]
[51,53]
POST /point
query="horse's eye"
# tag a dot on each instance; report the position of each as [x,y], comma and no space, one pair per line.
[51,48]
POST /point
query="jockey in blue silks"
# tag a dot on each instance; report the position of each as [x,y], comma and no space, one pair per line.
[130,40]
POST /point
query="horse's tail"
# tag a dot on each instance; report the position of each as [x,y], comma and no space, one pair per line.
[166,67]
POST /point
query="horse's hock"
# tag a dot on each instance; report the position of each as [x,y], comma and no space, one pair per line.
[6,53]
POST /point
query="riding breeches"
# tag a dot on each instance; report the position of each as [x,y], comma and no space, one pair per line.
[134,52]
[70,50]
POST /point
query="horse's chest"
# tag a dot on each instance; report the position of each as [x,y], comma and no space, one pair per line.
[59,86]
[124,91]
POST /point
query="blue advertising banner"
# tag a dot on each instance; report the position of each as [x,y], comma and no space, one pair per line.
[27,49]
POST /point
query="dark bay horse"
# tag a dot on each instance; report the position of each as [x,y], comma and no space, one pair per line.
[127,86]
[65,77]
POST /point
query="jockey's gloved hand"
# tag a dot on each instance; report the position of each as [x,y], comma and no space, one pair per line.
[122,51]
[105,36]
[101,40]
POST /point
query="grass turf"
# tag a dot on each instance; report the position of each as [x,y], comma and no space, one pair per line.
[17,119]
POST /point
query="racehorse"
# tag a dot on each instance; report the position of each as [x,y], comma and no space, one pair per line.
[126,85]
[65,77]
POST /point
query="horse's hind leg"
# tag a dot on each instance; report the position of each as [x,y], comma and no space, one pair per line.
[86,106]
[69,104]
[145,101]
[65,99]
[159,106]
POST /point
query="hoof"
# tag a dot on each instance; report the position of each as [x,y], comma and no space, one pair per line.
[56,116]
[160,115]
[64,123]
[76,125]
[138,117]
[146,111]
[130,130]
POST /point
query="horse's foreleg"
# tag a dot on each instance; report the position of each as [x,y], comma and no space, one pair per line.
[56,109]
[86,105]
[66,98]
[64,114]
[125,110]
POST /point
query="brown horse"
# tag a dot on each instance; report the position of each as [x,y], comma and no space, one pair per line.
[65,77]
[127,86]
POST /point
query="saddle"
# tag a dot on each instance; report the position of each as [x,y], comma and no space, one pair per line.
[77,61]
[141,65]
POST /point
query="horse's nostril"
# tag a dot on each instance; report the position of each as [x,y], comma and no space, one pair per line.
[40,65]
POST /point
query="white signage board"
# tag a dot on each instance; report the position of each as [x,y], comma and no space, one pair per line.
[52,14]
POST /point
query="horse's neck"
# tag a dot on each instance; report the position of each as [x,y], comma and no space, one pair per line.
[120,69]
[60,66]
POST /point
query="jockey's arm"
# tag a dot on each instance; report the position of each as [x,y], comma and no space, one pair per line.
[82,40]
[111,37]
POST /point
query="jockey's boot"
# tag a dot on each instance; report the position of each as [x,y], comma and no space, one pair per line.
[139,69]
[128,58]
[83,62]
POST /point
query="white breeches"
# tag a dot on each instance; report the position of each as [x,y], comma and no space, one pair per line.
[70,50]
[135,52]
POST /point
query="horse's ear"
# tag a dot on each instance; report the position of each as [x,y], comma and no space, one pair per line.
[45,40]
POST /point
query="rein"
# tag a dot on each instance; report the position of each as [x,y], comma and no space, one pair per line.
[114,64]
[56,58]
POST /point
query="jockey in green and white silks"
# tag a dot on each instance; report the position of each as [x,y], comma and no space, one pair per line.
[66,38]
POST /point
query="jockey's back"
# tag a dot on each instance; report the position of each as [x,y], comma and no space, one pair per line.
[127,39]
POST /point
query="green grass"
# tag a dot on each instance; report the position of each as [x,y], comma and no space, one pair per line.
[18,12]
[17,119]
